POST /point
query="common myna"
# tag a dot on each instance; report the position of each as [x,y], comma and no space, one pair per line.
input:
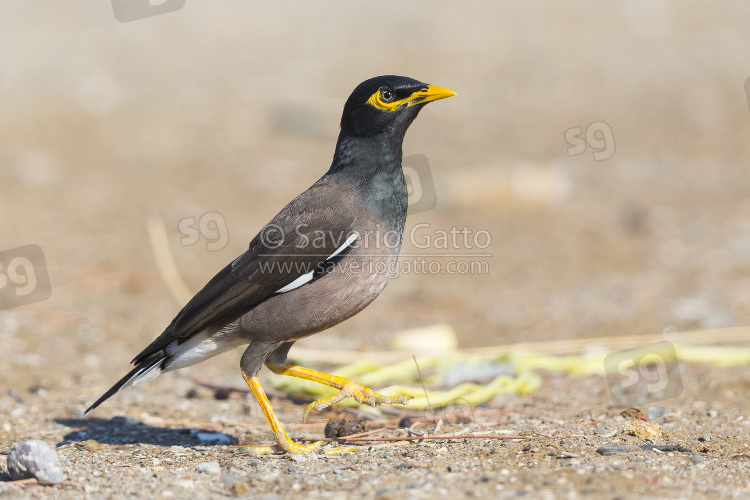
[321,260]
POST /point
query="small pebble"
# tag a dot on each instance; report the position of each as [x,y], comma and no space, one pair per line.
[90,445]
[216,437]
[405,422]
[614,448]
[222,393]
[712,413]
[704,438]
[345,425]
[35,459]
[697,459]
[605,432]
[208,468]
[656,412]
[303,458]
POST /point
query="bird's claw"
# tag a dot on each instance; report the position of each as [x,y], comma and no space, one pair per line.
[362,395]
[297,449]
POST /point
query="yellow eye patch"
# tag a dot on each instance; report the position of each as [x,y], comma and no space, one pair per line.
[377,101]
[431,93]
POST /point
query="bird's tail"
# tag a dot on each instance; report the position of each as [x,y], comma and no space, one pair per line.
[146,369]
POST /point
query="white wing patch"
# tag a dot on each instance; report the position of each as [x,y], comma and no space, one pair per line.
[351,239]
[307,277]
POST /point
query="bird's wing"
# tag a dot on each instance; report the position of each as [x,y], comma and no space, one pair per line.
[298,246]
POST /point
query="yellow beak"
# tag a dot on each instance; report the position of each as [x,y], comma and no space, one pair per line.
[431,93]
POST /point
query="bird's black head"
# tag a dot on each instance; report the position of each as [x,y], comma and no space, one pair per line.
[387,103]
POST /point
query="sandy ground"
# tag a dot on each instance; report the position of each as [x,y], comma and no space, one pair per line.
[233,109]
[551,447]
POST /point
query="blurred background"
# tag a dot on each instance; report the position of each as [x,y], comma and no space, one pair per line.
[602,146]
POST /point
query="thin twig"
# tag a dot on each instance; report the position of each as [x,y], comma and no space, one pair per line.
[423,387]
[437,437]
[389,444]
[32,481]
[366,433]
[157,233]
[21,482]
[361,434]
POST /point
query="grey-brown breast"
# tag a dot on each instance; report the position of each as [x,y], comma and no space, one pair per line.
[348,287]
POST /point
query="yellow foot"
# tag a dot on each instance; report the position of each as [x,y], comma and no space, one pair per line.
[347,388]
[288,446]
[350,389]
[283,441]
[293,448]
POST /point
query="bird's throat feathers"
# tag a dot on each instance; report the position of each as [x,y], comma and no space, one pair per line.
[365,156]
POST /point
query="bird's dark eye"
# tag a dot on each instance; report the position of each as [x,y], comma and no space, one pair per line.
[386,95]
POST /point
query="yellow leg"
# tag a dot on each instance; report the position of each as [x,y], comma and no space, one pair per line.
[347,388]
[282,438]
